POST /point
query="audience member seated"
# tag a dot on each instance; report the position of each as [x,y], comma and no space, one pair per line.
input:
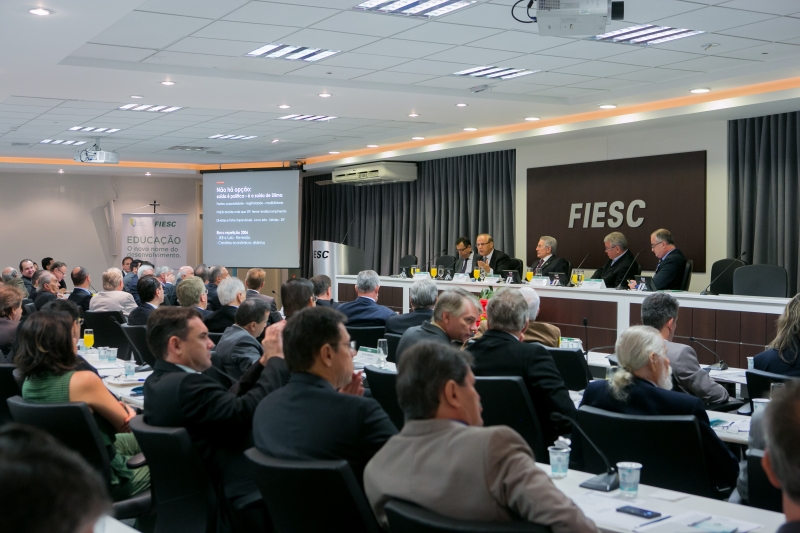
[74,312]
[112,297]
[321,413]
[126,264]
[453,321]
[230,295]
[192,293]
[129,275]
[183,272]
[215,276]
[296,295]
[444,461]
[47,359]
[80,291]
[619,262]
[541,332]
[35,283]
[547,260]
[11,278]
[501,352]
[145,269]
[48,289]
[201,271]
[10,313]
[46,488]
[322,291]
[27,268]
[423,295]
[166,276]
[254,281]
[642,386]
[781,356]
[46,262]
[364,311]
[781,460]
[59,270]
[152,295]
[218,420]
[238,348]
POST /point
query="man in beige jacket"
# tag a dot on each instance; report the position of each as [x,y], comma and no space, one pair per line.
[444,461]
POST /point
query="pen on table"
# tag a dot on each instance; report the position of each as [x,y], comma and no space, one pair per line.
[653,521]
[698,521]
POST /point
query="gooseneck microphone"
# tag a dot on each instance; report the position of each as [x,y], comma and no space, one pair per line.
[720,365]
[705,291]
[440,252]
[346,233]
[604,482]
[586,338]
[621,283]
[584,259]
[569,274]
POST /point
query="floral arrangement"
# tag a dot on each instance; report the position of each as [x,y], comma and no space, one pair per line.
[485,296]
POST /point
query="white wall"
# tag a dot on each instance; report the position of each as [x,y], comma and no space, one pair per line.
[62,216]
[623,142]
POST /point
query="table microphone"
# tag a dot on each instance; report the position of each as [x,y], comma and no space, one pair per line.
[705,291]
[625,288]
[431,259]
[604,482]
[720,365]
[578,268]
[586,335]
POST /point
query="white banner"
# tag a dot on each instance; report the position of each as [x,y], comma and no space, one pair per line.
[158,238]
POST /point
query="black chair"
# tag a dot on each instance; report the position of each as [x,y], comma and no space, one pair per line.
[8,389]
[445,261]
[758,383]
[366,336]
[518,265]
[383,386]
[28,308]
[572,366]
[723,283]
[107,331]
[394,341]
[408,260]
[215,337]
[72,423]
[761,280]
[288,487]
[760,491]
[649,440]
[506,402]
[137,336]
[406,517]
[687,275]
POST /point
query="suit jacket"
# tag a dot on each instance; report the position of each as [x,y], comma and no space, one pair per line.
[269,299]
[221,319]
[614,274]
[541,332]
[218,420]
[426,332]
[499,263]
[113,301]
[170,295]
[81,297]
[238,350]
[309,420]
[485,474]
[459,265]
[205,313]
[28,285]
[398,324]
[363,312]
[139,316]
[328,303]
[213,299]
[770,361]
[42,297]
[553,264]
[644,398]
[690,377]
[669,272]
[498,353]
[8,334]
[130,287]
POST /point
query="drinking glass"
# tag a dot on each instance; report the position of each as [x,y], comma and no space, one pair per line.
[580,277]
[629,478]
[88,338]
[434,271]
[575,277]
[414,270]
[538,272]
[528,274]
[383,351]
[111,355]
[476,273]
[440,269]
[101,353]
[130,369]
[559,461]
[773,388]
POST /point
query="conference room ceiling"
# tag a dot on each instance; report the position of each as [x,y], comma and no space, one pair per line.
[79,65]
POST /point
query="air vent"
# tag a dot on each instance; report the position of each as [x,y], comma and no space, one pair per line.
[20,144]
[212,152]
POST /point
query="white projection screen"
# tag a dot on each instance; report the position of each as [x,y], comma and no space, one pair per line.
[251,219]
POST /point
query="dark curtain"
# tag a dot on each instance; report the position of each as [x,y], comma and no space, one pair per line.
[452,197]
[763,191]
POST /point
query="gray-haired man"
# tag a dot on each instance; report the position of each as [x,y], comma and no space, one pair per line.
[364,311]
[423,294]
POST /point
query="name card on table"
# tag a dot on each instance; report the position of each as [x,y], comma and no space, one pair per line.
[422,275]
[593,284]
[539,281]
[462,278]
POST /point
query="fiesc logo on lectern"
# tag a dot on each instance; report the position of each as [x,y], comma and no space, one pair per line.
[321,254]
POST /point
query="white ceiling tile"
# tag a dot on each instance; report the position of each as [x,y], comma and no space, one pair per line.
[39,102]
[149,30]
[710,64]
[587,50]
[651,57]
[484,16]
[243,31]
[119,53]
[656,75]
[218,47]
[186,60]
[426,66]
[280,14]
[256,115]
[326,72]
[568,92]
[553,78]
[437,32]
[767,52]
[473,56]
[776,7]
[508,87]
[332,40]
[515,41]
[776,29]
[713,18]
[451,82]
[364,23]
[395,77]
[540,62]
[26,108]
[607,84]
[698,44]
[81,104]
[599,68]
[338,4]
[641,11]
[212,9]
[403,48]
[358,60]
[261,65]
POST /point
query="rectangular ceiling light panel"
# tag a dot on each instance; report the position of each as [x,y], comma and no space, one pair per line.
[414,8]
[307,118]
[495,73]
[291,53]
[149,107]
[232,137]
[62,141]
[92,129]
[645,35]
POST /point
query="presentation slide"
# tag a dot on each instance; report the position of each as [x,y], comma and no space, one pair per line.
[251,219]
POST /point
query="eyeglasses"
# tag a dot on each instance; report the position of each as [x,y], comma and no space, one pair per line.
[353,347]
[608,249]
[79,321]
[652,246]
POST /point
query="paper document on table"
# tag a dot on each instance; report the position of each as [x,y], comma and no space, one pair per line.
[735,376]
[668,495]
[698,523]
[603,510]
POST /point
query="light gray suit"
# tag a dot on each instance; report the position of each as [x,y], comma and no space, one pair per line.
[269,299]
[238,350]
[471,473]
[112,301]
[693,379]
[426,332]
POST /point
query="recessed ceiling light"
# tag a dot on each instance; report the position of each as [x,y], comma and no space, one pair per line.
[232,137]
[461,105]
[167,83]
[490,72]
[333,152]
[372,146]
[136,96]
[700,90]
[645,34]
[531,119]
[607,106]
[39,11]
[413,115]
[93,129]
[149,107]
[62,141]
[275,140]
[417,138]
[292,53]
[470,129]
[147,174]
[60,170]
[324,95]
[307,118]
[284,106]
[414,8]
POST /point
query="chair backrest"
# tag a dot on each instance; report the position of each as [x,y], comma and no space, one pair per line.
[406,517]
[394,340]
[71,423]
[760,492]
[506,402]
[383,386]
[137,336]
[367,336]
[761,280]
[408,260]
[758,383]
[183,495]
[687,275]
[8,389]
[28,308]
[446,261]
[518,265]
[572,366]
[289,486]
[107,331]
[649,440]
[215,337]
[723,279]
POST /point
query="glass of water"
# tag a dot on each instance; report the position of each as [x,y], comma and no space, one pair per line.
[111,355]
[629,478]
[559,461]
[383,351]
[130,369]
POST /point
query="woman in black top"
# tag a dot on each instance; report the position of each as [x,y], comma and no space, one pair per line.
[782,355]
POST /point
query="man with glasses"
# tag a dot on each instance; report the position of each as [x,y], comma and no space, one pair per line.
[465,259]
[671,261]
[619,262]
[491,261]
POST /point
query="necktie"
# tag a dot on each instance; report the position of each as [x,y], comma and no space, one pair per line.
[541,262]
[658,266]
[464,266]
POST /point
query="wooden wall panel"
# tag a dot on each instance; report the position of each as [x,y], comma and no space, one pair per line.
[704,324]
[685,321]
[728,326]
[347,292]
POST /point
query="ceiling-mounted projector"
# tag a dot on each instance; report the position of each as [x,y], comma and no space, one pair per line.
[576,17]
[96,155]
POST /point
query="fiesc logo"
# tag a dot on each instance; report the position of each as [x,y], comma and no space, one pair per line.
[321,254]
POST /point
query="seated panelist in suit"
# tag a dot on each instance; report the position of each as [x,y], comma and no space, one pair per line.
[230,294]
[783,353]
[465,263]
[166,276]
[192,292]
[238,348]
[671,261]
[254,281]
[364,311]
[491,261]
[321,414]
[322,291]
[642,386]
[80,291]
[112,297]
[215,276]
[445,461]
[48,290]
[548,262]
[151,293]
[423,295]
[619,262]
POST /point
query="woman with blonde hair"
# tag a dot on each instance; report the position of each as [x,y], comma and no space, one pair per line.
[781,356]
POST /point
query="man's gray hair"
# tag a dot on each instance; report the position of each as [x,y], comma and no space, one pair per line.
[144,270]
[422,373]
[533,300]
[633,350]
[162,270]
[45,278]
[507,311]
[663,235]
[228,289]
[423,293]
[782,430]
[617,239]
[214,272]
[550,242]
[185,272]
[9,274]
[111,279]
[367,281]
[190,290]
[658,308]
[454,301]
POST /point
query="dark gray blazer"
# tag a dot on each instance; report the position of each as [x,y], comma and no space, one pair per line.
[238,350]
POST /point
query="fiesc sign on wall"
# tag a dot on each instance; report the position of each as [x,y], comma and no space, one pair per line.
[580,204]
[160,239]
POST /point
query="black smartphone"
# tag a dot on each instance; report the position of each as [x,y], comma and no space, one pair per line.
[644,513]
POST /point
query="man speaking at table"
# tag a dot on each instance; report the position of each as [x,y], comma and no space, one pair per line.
[619,262]
[491,261]
[671,261]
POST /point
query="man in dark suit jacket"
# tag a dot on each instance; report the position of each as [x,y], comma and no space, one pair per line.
[152,294]
[26,270]
[322,291]
[548,262]
[423,294]
[80,292]
[491,261]
[48,290]
[321,414]
[231,295]
[238,348]
[215,276]
[500,352]
[619,262]
[255,282]
[364,311]
[465,263]
[671,261]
